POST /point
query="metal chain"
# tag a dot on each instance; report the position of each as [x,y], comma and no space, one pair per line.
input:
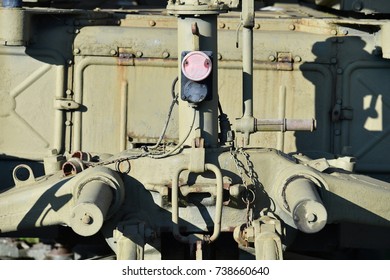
[250,166]
[238,165]
[250,174]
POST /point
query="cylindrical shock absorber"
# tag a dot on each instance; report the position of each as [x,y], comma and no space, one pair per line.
[197,53]
[302,201]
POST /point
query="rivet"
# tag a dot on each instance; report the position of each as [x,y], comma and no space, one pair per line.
[221,25]
[152,23]
[297,59]
[69,92]
[333,32]
[271,58]
[139,54]
[291,27]
[357,6]
[165,54]
[69,61]
[257,26]
[68,123]
[219,56]
[113,52]
[345,32]
[76,51]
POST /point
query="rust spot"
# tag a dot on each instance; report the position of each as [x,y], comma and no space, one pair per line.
[226,186]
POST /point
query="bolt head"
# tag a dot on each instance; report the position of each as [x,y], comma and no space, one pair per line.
[165,54]
[87,219]
[297,59]
[357,6]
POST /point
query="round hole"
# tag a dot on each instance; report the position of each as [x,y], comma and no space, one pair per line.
[22,173]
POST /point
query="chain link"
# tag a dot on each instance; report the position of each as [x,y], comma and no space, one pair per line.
[250,196]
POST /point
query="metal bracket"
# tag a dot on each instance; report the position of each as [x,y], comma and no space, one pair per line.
[284,61]
[195,37]
[268,245]
[340,113]
[130,240]
[66,104]
[197,156]
[264,235]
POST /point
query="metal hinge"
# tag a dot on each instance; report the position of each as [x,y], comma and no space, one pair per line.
[340,113]
[66,104]
[284,61]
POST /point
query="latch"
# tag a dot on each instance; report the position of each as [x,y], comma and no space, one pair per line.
[66,104]
[340,112]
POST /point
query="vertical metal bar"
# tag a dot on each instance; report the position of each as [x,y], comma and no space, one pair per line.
[219,202]
[281,115]
[247,71]
[123,115]
[175,206]
[248,23]
[58,139]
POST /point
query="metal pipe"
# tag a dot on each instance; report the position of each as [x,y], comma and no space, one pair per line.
[123,119]
[58,139]
[248,22]
[247,70]
[14,26]
[285,125]
[208,109]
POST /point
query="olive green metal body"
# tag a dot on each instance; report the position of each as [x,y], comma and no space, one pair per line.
[288,158]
